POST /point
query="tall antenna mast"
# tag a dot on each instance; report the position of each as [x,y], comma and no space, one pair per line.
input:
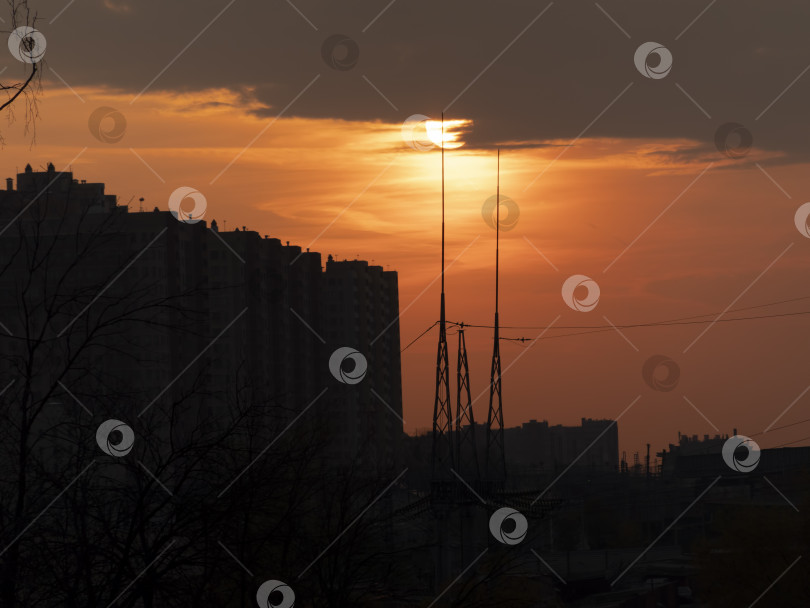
[466,447]
[442,460]
[496,459]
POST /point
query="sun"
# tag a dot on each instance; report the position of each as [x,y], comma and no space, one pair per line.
[453,132]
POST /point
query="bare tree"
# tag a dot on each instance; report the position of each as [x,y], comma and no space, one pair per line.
[104,317]
[91,332]
[30,44]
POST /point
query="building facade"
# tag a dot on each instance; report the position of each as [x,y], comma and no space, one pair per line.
[173,317]
[361,310]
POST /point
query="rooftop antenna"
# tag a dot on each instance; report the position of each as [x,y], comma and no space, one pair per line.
[442,460]
[496,459]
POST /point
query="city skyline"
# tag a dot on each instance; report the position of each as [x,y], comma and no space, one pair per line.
[517,390]
[396,304]
[641,186]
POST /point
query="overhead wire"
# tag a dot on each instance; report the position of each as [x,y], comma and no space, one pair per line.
[419,336]
[676,321]
[590,329]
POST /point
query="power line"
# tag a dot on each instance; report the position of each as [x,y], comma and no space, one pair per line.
[419,336]
[677,321]
[791,443]
[601,328]
[784,426]
[592,329]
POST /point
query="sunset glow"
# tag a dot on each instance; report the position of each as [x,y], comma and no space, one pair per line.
[454,131]
[404,304]
[302,174]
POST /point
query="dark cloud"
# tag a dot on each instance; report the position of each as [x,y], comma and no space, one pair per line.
[551,83]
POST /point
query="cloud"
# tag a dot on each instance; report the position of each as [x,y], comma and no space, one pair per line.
[519,77]
[118,7]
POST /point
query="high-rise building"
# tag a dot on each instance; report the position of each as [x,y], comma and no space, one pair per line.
[180,315]
[361,311]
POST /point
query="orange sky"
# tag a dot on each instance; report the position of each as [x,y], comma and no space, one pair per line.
[697,258]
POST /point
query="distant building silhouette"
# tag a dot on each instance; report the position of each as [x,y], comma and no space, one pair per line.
[693,457]
[540,447]
[536,450]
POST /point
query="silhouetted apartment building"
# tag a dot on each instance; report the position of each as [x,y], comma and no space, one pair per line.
[254,279]
[537,446]
[183,316]
[361,310]
[694,457]
[106,283]
[689,446]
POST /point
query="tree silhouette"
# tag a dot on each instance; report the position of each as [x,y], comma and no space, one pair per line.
[26,89]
